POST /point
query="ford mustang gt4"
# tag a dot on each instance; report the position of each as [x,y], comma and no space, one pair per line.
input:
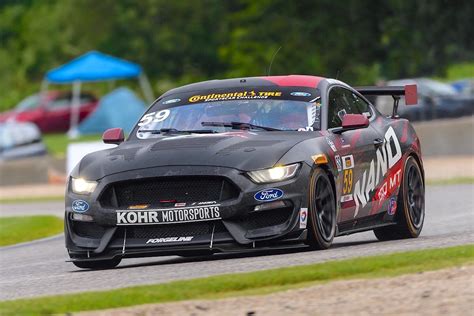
[248,163]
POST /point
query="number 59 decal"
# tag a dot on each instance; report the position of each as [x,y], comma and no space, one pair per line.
[154,117]
[347,185]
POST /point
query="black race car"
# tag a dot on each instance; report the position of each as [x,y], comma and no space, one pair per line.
[248,163]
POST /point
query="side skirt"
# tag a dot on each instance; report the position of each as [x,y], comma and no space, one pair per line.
[363,224]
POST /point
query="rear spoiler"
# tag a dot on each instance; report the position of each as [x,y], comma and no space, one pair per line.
[409,91]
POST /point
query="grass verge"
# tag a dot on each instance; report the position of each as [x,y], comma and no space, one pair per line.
[459,180]
[18,229]
[34,199]
[246,283]
[57,143]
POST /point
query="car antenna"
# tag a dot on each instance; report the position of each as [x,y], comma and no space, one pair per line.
[271,62]
[337,74]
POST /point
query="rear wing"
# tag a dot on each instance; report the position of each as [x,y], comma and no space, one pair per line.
[409,91]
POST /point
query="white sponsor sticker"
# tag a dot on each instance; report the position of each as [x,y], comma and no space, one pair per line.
[303,217]
[169,239]
[347,162]
[338,162]
[168,216]
[346,198]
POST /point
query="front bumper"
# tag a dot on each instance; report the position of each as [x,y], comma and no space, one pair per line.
[240,226]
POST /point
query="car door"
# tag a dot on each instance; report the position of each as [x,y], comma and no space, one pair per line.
[58,112]
[355,154]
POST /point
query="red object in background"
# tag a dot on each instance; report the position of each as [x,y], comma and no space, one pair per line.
[51,113]
[411,94]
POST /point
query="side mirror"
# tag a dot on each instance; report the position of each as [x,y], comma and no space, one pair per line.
[351,122]
[113,136]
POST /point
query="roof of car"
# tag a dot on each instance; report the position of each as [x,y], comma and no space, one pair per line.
[282,81]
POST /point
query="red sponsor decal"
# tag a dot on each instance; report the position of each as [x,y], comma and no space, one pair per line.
[388,187]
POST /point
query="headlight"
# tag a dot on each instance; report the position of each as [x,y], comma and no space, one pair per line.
[81,186]
[275,174]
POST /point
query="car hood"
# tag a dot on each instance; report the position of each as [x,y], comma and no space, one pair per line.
[240,150]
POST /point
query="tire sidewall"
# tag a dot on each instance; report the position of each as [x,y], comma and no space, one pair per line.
[316,238]
[414,231]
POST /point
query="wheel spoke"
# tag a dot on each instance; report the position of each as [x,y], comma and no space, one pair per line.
[324,208]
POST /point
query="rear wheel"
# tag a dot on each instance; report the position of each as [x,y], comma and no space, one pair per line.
[322,211]
[98,264]
[410,206]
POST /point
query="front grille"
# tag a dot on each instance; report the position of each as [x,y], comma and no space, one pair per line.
[88,229]
[176,189]
[175,230]
[267,218]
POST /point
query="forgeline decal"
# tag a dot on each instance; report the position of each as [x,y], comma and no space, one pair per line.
[303,217]
[386,158]
[169,239]
[165,216]
[235,96]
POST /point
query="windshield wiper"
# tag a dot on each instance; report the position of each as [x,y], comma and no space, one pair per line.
[239,125]
[176,131]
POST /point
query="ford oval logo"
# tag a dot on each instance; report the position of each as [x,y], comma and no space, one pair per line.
[300,94]
[268,195]
[80,206]
[171,101]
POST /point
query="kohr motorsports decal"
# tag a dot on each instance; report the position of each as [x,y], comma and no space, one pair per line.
[171,215]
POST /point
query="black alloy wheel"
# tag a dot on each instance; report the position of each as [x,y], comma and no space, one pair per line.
[410,214]
[322,211]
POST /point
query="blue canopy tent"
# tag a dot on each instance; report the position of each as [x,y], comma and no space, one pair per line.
[90,67]
[120,108]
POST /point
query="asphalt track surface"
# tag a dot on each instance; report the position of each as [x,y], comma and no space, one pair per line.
[39,268]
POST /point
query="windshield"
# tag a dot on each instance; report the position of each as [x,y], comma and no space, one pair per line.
[266,115]
[28,103]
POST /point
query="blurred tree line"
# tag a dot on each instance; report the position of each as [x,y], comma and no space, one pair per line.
[182,41]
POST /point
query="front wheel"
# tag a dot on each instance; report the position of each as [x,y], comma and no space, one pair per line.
[410,206]
[322,211]
[98,264]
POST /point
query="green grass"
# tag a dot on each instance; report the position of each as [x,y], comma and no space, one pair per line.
[459,180]
[460,71]
[57,143]
[34,199]
[18,229]
[261,282]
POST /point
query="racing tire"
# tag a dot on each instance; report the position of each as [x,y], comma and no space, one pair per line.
[410,206]
[98,264]
[322,211]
